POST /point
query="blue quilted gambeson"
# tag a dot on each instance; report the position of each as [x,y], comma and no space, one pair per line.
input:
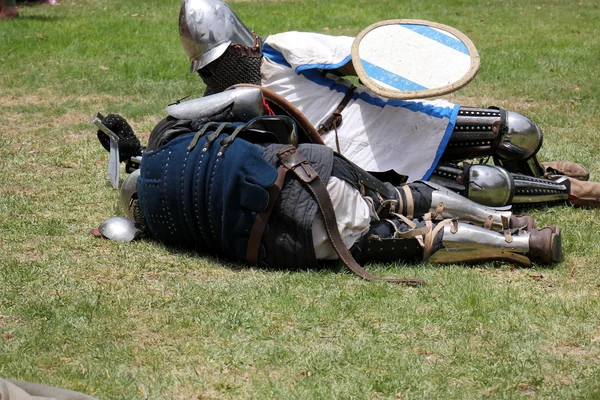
[207,197]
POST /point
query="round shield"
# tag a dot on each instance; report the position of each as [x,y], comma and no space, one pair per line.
[410,59]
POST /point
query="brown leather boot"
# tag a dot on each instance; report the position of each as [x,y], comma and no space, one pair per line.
[545,245]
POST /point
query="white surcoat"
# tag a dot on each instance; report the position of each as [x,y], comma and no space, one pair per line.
[377,134]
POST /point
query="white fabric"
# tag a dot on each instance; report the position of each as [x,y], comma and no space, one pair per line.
[446,57]
[377,134]
[353,215]
[311,50]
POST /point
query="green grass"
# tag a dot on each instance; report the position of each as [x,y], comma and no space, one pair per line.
[143,321]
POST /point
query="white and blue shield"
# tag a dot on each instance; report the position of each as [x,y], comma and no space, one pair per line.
[409,59]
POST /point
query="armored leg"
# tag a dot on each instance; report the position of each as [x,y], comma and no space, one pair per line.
[455,242]
[418,199]
[495,186]
[446,204]
[512,139]
[468,243]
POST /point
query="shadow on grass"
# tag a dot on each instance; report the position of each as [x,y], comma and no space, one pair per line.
[332,266]
[397,267]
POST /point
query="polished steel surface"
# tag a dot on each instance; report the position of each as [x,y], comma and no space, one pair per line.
[245,102]
[129,193]
[457,206]
[207,28]
[119,229]
[522,138]
[471,243]
[490,185]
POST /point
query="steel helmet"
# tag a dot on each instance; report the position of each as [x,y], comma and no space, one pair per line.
[207,28]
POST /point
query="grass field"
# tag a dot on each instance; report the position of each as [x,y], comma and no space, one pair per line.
[137,321]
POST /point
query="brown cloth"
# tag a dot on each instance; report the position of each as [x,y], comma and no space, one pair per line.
[566,168]
[584,194]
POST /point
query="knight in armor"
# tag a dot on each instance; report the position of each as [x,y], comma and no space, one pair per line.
[422,140]
[226,175]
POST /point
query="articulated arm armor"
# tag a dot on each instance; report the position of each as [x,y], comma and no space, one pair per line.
[240,105]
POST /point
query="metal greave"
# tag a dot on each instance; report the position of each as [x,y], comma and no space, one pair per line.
[468,243]
[446,204]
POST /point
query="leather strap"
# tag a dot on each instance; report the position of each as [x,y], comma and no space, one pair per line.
[335,119]
[505,227]
[489,222]
[291,159]
[430,237]
[400,206]
[263,217]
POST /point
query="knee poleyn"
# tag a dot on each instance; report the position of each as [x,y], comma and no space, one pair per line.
[521,138]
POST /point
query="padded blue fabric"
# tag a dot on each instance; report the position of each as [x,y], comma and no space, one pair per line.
[203,199]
